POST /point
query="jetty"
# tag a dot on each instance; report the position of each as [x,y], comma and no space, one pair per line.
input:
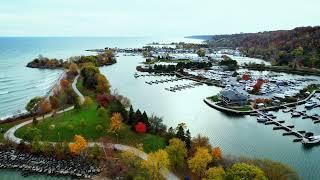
[301,134]
[163,81]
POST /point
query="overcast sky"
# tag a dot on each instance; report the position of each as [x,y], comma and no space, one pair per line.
[152,17]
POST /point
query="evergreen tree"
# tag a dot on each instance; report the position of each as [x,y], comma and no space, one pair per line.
[137,116]
[131,117]
[180,133]
[145,119]
[188,139]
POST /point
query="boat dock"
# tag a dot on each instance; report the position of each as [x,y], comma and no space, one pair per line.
[182,87]
[163,81]
[279,125]
[136,75]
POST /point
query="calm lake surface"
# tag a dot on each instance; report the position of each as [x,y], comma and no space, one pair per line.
[235,135]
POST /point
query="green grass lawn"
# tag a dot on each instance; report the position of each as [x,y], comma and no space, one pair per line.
[83,122]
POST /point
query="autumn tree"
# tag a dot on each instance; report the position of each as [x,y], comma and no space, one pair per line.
[54,102]
[200,141]
[44,107]
[215,173]
[73,68]
[79,145]
[115,123]
[64,84]
[157,162]
[103,99]
[177,152]
[217,153]
[103,85]
[245,171]
[199,162]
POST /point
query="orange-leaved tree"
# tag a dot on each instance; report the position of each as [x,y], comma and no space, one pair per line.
[78,145]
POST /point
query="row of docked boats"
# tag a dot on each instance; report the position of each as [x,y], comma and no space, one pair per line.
[136,75]
[265,116]
[163,81]
[181,87]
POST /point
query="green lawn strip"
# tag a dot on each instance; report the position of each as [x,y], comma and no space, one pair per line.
[83,122]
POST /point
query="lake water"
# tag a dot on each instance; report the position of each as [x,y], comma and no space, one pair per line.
[235,135]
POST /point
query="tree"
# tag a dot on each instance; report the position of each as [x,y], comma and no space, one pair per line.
[199,162]
[217,153]
[180,132]
[201,52]
[138,116]
[177,152]
[115,123]
[102,112]
[64,84]
[131,116]
[215,173]
[245,171]
[156,125]
[200,141]
[87,101]
[156,162]
[103,85]
[188,139]
[55,103]
[33,105]
[73,68]
[78,145]
[103,99]
[140,127]
[44,107]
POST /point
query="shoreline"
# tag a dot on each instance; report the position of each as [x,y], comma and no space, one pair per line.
[24,114]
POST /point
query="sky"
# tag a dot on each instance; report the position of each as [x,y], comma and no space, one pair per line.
[153,17]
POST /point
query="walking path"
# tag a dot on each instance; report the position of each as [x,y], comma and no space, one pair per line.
[10,136]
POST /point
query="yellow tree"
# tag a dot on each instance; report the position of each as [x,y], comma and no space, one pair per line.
[115,123]
[157,162]
[199,162]
[78,145]
[177,152]
[215,173]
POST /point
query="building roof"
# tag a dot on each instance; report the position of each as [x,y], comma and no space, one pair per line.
[233,95]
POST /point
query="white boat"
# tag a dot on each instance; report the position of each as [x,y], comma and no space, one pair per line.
[262,119]
[295,114]
[286,110]
[309,105]
[312,140]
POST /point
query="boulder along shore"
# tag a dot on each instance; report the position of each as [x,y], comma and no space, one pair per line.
[30,164]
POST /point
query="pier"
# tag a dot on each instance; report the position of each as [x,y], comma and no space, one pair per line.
[156,74]
[163,81]
[181,87]
[279,125]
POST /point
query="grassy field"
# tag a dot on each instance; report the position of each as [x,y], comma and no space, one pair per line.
[84,122]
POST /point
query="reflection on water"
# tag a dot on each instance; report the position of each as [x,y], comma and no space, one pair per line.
[237,135]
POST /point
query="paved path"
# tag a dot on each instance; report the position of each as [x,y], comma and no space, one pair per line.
[10,136]
[74,87]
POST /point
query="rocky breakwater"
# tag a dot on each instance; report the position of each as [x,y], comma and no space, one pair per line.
[39,164]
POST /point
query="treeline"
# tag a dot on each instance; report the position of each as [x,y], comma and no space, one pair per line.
[102,59]
[171,68]
[297,47]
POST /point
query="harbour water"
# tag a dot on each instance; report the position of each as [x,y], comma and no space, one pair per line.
[235,135]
